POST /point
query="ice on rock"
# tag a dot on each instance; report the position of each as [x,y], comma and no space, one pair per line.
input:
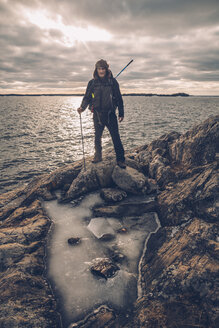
[69,268]
[101,229]
[115,223]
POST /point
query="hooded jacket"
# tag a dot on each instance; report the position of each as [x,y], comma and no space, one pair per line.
[103,95]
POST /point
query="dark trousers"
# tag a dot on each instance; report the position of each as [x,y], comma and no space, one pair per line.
[110,121]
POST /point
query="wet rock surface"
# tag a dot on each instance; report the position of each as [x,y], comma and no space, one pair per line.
[112,195]
[179,277]
[179,269]
[74,241]
[132,206]
[195,194]
[100,318]
[26,297]
[104,268]
[178,272]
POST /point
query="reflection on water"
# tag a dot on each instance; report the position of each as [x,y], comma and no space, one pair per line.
[38,134]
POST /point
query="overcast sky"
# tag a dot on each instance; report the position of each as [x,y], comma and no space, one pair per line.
[51,46]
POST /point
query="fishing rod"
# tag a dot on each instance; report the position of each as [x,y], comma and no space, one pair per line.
[124,68]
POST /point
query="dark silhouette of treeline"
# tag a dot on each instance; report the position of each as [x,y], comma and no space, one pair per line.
[180,94]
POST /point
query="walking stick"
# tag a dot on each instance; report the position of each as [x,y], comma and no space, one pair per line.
[82,140]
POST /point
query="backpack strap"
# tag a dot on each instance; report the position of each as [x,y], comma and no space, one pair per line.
[91,92]
[114,93]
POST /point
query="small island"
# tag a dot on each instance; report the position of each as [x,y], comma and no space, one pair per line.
[180,94]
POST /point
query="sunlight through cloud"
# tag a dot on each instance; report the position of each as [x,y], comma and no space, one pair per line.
[70,33]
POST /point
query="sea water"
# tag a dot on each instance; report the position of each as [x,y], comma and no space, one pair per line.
[39,134]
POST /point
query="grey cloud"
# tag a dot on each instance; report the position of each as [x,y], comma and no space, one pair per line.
[164,17]
[201,76]
[163,37]
[143,17]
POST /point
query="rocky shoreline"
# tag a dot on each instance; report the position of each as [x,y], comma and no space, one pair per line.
[178,273]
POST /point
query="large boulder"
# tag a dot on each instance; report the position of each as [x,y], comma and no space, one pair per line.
[179,278]
[160,170]
[86,181]
[154,156]
[129,179]
[104,172]
[94,177]
[199,145]
[194,195]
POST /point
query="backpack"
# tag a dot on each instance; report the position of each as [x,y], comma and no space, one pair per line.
[112,95]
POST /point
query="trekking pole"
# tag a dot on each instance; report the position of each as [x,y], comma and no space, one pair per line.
[124,68]
[82,140]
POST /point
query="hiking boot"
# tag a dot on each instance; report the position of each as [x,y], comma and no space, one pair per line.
[121,164]
[97,159]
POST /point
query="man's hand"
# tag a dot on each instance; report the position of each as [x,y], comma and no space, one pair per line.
[121,119]
[80,110]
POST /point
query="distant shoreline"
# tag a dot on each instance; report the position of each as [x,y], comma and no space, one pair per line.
[181,94]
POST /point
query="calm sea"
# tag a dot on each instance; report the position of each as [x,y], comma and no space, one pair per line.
[39,134]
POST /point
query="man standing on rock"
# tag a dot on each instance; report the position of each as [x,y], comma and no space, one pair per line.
[103,97]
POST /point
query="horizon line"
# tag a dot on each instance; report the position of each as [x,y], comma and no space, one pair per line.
[123,94]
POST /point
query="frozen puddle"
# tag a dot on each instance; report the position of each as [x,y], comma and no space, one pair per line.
[68,266]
